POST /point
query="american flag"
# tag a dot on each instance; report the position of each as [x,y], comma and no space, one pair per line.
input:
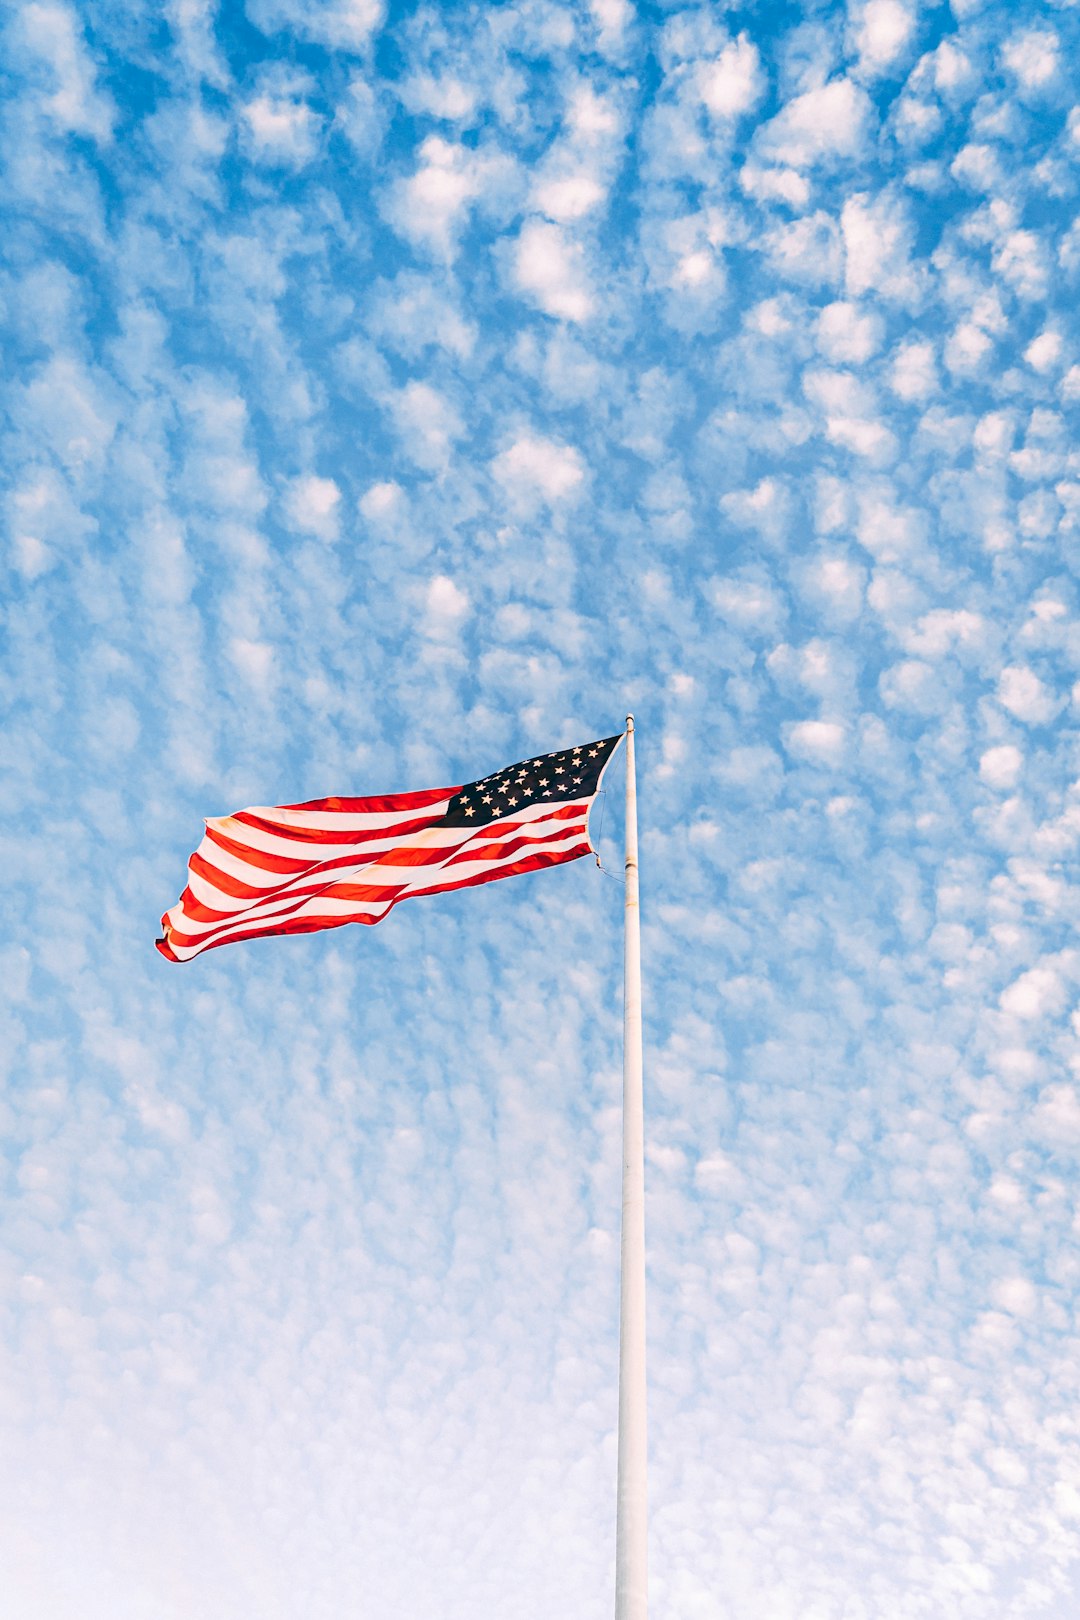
[295,868]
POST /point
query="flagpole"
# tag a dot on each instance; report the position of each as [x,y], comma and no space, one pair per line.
[631,1533]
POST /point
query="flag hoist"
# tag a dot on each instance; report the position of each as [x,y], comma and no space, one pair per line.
[299,868]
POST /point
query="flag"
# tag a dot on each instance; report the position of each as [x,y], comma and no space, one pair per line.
[296,868]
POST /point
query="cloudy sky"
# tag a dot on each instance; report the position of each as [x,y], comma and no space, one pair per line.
[394,392]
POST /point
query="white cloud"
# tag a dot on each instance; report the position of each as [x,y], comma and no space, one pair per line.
[413,314]
[592,118]
[835,585]
[254,660]
[948,630]
[771,184]
[533,467]
[435,199]
[360,117]
[733,83]
[281,130]
[44,521]
[312,505]
[346,25]
[1056,1119]
[993,435]
[846,333]
[807,250]
[428,424]
[433,205]
[1000,767]
[446,605]
[914,371]
[877,248]
[1032,57]
[192,23]
[830,121]
[766,507]
[883,31]
[977,166]
[612,18]
[1022,692]
[849,410]
[568,197]
[75,105]
[1043,353]
[1021,260]
[380,500]
[893,533]
[967,349]
[869,439]
[1037,993]
[447,97]
[915,686]
[1017,1295]
[73,413]
[549,268]
[821,742]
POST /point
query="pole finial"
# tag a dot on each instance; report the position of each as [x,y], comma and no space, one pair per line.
[629,722]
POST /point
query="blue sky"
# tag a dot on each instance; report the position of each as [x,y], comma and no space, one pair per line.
[393,393]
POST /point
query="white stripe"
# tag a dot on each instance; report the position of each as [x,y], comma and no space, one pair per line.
[281,844]
[268,843]
[339,820]
[370,868]
[459,869]
[360,855]
[258,877]
[409,879]
[330,906]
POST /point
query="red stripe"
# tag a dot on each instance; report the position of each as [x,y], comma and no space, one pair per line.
[374,893]
[321,835]
[482,839]
[555,812]
[386,804]
[303,879]
[195,909]
[370,893]
[531,863]
[259,857]
[495,851]
[229,885]
[291,888]
[311,925]
[293,901]
[221,880]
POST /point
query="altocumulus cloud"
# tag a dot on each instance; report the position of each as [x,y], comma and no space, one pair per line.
[395,393]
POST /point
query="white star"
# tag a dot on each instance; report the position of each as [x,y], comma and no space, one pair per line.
[511,801]
[469,811]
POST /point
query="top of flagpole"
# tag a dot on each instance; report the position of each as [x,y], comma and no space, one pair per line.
[629,722]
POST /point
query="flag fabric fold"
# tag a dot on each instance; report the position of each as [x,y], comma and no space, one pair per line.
[297,868]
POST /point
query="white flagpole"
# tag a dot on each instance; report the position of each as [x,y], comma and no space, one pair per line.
[631,1533]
